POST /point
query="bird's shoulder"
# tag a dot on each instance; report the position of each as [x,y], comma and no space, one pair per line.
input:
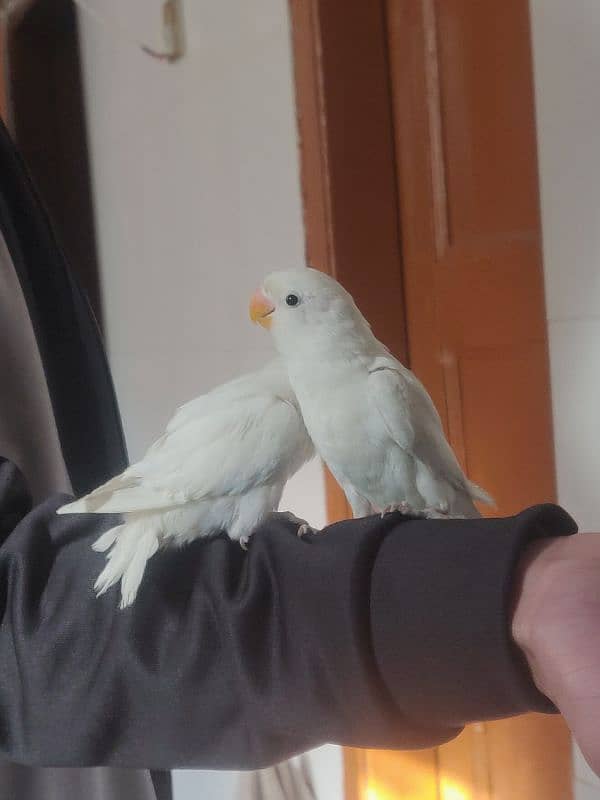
[246,393]
[411,418]
[402,401]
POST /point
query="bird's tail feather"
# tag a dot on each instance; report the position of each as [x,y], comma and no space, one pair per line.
[124,498]
[107,539]
[131,547]
[92,502]
[480,495]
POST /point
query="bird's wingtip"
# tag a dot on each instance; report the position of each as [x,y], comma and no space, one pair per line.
[70,508]
[481,496]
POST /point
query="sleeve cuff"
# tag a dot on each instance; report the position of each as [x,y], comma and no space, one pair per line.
[441,634]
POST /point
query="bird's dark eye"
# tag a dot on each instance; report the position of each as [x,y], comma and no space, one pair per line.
[292,300]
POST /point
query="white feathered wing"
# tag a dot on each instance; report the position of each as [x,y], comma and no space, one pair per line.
[413,423]
[221,465]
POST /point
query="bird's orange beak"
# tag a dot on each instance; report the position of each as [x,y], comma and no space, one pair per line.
[261,309]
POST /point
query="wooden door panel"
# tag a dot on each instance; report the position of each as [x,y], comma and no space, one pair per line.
[463,766]
[507,451]
[529,758]
[487,101]
[411,776]
[491,294]
[486,762]
[463,105]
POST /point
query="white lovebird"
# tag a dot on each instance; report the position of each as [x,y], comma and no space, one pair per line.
[370,418]
[221,465]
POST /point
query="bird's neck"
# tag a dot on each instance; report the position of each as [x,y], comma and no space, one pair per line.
[334,352]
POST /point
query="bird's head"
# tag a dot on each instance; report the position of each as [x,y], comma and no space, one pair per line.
[306,309]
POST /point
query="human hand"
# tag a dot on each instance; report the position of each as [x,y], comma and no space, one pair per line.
[556,624]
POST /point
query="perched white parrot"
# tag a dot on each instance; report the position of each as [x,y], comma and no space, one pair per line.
[370,419]
[221,465]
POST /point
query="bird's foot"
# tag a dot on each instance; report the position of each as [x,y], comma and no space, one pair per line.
[440,511]
[403,508]
[304,529]
[435,512]
[244,540]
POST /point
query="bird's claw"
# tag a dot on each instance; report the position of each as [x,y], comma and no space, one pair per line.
[429,512]
[403,508]
[435,512]
[305,529]
[442,511]
[432,512]
[244,540]
[303,526]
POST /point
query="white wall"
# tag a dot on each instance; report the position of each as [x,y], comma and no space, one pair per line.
[566,43]
[196,188]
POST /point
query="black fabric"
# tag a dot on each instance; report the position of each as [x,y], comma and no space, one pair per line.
[236,660]
[75,367]
[163,784]
[15,497]
[73,358]
[452,599]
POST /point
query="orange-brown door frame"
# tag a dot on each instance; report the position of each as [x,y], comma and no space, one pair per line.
[347,162]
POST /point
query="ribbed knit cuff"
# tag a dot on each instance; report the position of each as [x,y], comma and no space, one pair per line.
[441,635]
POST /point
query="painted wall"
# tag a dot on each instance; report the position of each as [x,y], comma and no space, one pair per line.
[197,196]
[566,43]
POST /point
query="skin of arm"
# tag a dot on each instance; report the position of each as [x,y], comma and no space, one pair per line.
[556,624]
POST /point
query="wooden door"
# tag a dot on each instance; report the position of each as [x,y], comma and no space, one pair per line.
[417,129]
[467,178]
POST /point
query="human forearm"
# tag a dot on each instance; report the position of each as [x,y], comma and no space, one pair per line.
[447,655]
[556,623]
[229,659]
